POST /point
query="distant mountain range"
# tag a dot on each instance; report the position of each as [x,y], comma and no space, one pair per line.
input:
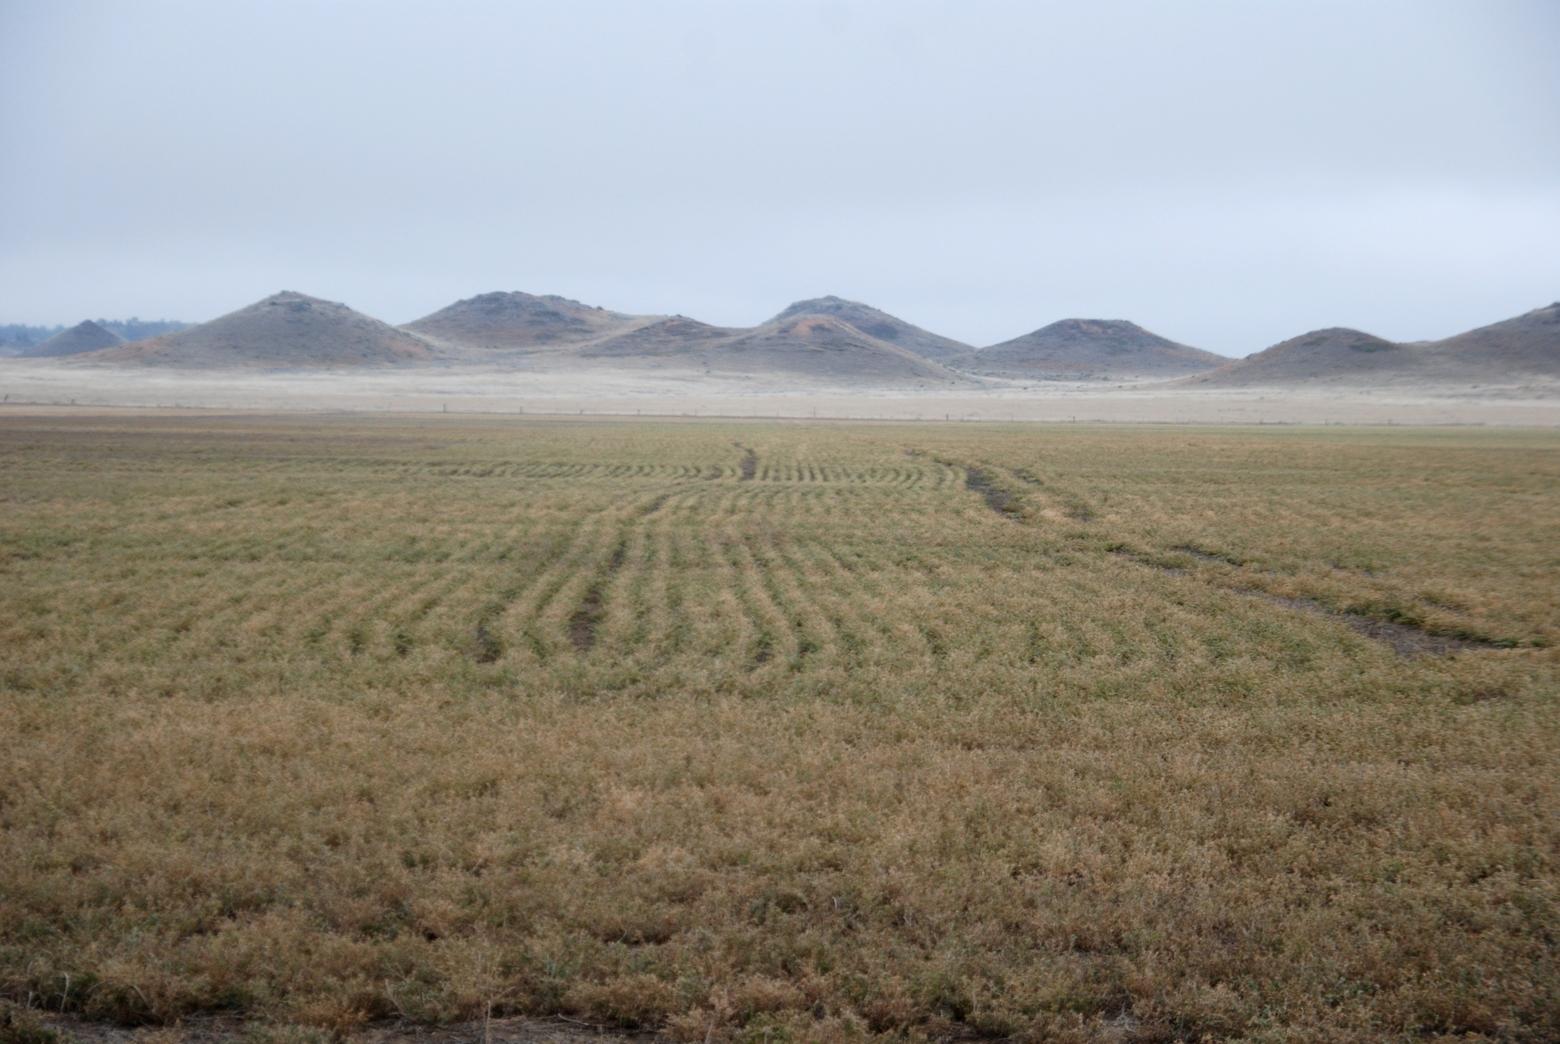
[826,338]
[519,321]
[1079,349]
[880,325]
[21,339]
[86,336]
[1525,347]
[823,339]
[285,331]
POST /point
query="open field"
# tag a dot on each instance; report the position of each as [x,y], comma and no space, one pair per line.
[744,730]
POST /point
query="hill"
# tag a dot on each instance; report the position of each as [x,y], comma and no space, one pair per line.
[285,331]
[824,348]
[515,320]
[879,325]
[796,343]
[135,329]
[675,337]
[1334,355]
[85,336]
[1076,349]
[19,339]
[1528,344]
[1514,350]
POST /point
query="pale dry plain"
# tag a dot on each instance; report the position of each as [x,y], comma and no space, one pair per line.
[764,731]
[658,392]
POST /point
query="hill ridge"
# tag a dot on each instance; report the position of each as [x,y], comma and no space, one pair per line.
[287,330]
[876,323]
[516,320]
[1084,348]
[1521,348]
[85,336]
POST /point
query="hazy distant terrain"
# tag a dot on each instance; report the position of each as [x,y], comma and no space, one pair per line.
[649,391]
[286,330]
[520,321]
[825,339]
[517,350]
[878,324]
[22,339]
[1090,348]
[1522,349]
[86,336]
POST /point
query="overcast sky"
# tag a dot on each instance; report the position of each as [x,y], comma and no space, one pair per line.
[1227,174]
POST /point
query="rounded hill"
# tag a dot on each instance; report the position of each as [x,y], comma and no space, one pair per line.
[85,336]
[287,330]
[1082,349]
[517,320]
[878,324]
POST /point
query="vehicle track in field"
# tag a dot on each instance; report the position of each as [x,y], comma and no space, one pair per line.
[1405,636]
[1073,505]
[535,589]
[593,594]
[747,468]
[998,499]
[585,621]
[1397,629]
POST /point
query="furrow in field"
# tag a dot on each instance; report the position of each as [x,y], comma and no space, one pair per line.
[774,638]
[565,604]
[712,622]
[1073,505]
[747,467]
[1404,635]
[213,620]
[542,618]
[812,574]
[586,620]
[372,608]
[628,626]
[680,559]
[506,612]
[780,584]
[865,594]
[656,626]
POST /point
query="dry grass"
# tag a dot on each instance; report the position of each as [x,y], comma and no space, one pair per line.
[326,721]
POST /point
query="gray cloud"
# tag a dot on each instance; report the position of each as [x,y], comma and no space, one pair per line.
[1226,173]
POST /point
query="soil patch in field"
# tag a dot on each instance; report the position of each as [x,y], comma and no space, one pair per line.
[997,499]
[488,647]
[749,465]
[587,618]
[1407,639]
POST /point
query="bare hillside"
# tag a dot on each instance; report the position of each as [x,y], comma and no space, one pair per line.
[878,324]
[1337,354]
[1514,351]
[676,338]
[1526,344]
[797,344]
[515,320]
[1074,349]
[287,330]
[825,348]
[83,337]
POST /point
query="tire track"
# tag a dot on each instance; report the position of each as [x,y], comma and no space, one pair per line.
[747,468]
[585,621]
